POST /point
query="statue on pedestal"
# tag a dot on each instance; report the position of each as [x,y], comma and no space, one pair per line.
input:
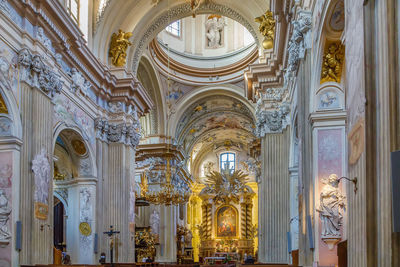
[155,223]
[330,210]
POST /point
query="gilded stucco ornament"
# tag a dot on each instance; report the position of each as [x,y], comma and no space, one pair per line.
[267,28]
[225,186]
[119,45]
[332,62]
[3,106]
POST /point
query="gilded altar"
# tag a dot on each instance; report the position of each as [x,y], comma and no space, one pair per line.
[223,215]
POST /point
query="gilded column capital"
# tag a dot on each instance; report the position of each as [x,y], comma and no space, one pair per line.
[36,73]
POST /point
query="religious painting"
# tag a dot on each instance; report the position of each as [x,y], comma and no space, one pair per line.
[226,221]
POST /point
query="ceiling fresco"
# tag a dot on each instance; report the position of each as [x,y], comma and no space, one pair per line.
[214,120]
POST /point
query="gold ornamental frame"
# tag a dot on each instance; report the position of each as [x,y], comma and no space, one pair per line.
[237,222]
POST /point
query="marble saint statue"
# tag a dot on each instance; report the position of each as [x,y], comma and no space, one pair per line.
[214,27]
[331,206]
[155,222]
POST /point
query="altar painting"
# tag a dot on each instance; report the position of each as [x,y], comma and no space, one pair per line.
[226,224]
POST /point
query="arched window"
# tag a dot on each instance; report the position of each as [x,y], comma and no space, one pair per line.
[73,9]
[227,162]
[174,28]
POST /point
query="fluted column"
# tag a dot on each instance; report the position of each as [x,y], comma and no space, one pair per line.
[38,84]
[274,199]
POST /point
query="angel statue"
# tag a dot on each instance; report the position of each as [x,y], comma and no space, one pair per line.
[118,47]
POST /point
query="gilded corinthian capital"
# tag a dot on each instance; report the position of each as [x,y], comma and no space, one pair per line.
[119,45]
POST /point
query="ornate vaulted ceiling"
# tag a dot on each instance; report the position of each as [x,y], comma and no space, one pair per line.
[215,121]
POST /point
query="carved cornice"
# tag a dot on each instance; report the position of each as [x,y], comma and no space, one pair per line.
[66,43]
[202,72]
[36,73]
[181,11]
[269,71]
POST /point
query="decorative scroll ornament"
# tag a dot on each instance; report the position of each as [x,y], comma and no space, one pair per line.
[267,29]
[79,83]
[119,45]
[5,211]
[36,73]
[332,62]
[300,40]
[118,133]
[271,121]
[330,211]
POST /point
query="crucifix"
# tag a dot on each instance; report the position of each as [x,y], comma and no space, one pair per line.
[110,234]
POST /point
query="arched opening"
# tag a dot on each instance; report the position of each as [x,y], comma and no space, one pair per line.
[59,221]
[74,187]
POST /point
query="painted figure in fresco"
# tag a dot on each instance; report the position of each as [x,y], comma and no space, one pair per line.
[41,170]
[331,206]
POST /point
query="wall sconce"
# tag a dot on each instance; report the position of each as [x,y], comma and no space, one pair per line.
[354,181]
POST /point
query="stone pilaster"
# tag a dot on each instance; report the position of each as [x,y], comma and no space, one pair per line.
[168,247]
[116,146]
[38,84]
[274,199]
